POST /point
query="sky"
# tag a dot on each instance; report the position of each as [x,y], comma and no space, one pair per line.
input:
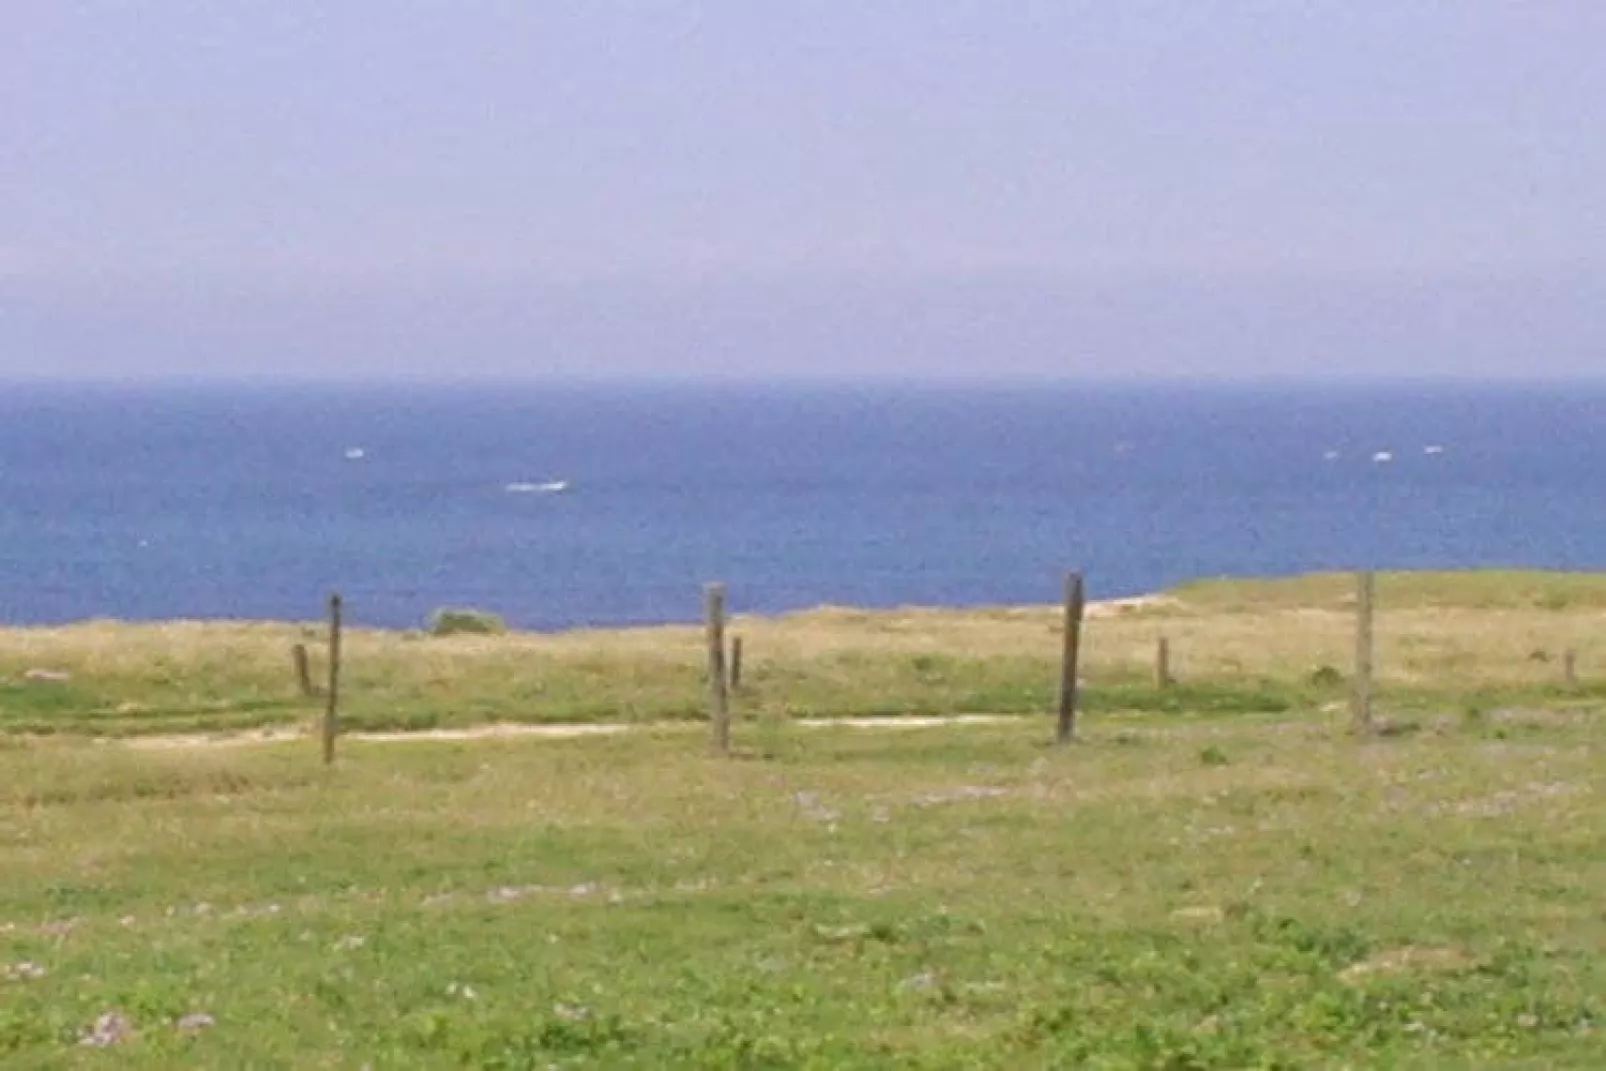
[508,189]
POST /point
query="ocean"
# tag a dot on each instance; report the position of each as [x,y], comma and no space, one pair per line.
[251,502]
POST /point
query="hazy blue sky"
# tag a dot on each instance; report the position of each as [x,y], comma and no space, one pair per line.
[902,187]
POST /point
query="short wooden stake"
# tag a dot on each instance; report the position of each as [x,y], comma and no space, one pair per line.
[1075,603]
[719,713]
[1162,662]
[1569,668]
[1361,696]
[303,671]
[331,712]
[736,663]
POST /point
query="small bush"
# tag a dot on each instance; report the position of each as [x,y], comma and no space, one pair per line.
[1213,756]
[449,622]
[1326,677]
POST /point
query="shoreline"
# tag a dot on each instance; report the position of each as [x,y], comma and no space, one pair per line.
[1093,609]
[1482,587]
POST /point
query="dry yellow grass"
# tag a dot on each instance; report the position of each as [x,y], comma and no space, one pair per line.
[1449,639]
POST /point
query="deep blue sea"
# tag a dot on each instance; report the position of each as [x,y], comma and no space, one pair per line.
[150,503]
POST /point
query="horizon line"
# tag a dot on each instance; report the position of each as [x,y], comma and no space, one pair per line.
[1023,381]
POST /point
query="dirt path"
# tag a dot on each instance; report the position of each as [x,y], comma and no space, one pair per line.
[549,732]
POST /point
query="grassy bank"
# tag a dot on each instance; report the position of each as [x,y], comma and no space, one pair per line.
[1445,642]
[1221,893]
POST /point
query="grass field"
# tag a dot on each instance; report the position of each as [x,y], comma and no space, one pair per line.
[1218,875]
[1232,892]
[1445,641]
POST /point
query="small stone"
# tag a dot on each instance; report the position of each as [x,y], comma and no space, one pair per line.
[194,1024]
[112,1028]
[849,932]
[960,794]
[350,942]
[47,676]
[813,808]
[571,1013]
[919,982]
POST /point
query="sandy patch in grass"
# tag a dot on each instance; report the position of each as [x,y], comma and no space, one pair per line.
[1118,607]
[549,732]
[1404,960]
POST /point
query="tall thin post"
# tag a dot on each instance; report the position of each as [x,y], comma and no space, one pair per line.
[1361,697]
[298,654]
[331,712]
[1569,668]
[719,713]
[1074,605]
[1162,662]
[736,663]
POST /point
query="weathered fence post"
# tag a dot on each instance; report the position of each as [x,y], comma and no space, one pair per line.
[1162,662]
[331,712]
[736,663]
[303,671]
[1361,696]
[1569,668]
[1074,606]
[719,714]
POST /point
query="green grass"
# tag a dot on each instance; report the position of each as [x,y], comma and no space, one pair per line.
[1221,892]
[448,621]
[1252,647]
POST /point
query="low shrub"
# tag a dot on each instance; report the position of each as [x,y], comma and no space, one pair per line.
[452,622]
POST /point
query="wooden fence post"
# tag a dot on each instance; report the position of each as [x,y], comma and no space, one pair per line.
[1162,663]
[1361,696]
[719,714]
[1569,668]
[1075,603]
[331,712]
[736,663]
[303,671]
